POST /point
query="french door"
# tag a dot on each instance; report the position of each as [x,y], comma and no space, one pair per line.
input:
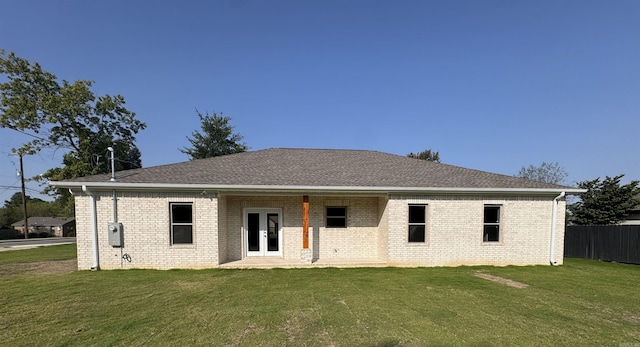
[263,232]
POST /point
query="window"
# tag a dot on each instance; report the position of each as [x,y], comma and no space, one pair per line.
[417,223]
[491,232]
[181,223]
[336,217]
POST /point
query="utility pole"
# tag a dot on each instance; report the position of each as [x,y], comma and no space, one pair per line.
[24,198]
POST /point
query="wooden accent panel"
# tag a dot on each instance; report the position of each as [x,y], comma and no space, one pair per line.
[305,222]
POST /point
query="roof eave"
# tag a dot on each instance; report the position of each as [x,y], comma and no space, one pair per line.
[309,189]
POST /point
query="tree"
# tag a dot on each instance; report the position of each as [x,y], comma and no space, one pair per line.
[15,200]
[11,212]
[217,138]
[605,202]
[95,159]
[65,115]
[547,172]
[89,162]
[427,155]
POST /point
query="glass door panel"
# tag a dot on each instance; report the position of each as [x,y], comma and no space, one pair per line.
[253,232]
[263,232]
[273,231]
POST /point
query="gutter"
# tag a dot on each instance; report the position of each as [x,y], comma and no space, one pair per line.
[554,217]
[94,226]
[306,189]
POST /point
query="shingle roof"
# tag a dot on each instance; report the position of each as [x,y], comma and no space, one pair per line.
[44,221]
[318,168]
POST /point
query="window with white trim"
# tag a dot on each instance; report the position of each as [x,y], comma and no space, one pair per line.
[336,217]
[181,223]
[417,223]
[491,227]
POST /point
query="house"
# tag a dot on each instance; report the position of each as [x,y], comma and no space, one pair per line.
[314,207]
[634,216]
[52,226]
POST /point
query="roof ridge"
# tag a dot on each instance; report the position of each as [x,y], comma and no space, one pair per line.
[320,149]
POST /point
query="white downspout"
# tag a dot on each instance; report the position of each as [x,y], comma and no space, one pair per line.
[94,225]
[554,217]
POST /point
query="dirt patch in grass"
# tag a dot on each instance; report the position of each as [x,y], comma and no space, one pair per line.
[250,329]
[304,324]
[39,267]
[502,280]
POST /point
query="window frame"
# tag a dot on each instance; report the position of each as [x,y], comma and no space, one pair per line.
[173,224]
[414,224]
[486,224]
[335,217]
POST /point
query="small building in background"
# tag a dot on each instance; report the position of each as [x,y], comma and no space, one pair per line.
[48,226]
[633,218]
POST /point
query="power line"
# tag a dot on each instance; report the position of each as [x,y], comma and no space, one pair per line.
[9,187]
[28,134]
[129,162]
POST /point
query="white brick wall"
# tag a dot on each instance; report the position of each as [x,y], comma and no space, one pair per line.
[359,240]
[84,233]
[361,237]
[377,229]
[454,231]
[235,220]
[222,228]
[145,218]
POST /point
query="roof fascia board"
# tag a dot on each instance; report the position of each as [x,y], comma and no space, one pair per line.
[310,189]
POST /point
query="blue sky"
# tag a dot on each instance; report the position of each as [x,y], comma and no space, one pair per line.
[491,85]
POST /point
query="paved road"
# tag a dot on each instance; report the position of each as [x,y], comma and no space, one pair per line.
[7,245]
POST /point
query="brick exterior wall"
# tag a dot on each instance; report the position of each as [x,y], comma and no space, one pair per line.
[84,232]
[145,218]
[291,219]
[358,241]
[377,228]
[455,227]
[222,230]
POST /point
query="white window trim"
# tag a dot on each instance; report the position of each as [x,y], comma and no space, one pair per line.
[172,224]
[499,224]
[426,229]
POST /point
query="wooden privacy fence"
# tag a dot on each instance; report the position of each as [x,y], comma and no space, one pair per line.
[620,243]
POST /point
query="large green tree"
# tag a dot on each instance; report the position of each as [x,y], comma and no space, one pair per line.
[66,115]
[217,138]
[604,202]
[546,172]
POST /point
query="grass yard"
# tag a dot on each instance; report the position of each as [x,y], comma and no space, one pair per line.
[49,253]
[583,303]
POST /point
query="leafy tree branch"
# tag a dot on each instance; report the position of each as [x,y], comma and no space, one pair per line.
[67,115]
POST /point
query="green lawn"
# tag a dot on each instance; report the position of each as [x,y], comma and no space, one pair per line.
[583,303]
[62,252]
